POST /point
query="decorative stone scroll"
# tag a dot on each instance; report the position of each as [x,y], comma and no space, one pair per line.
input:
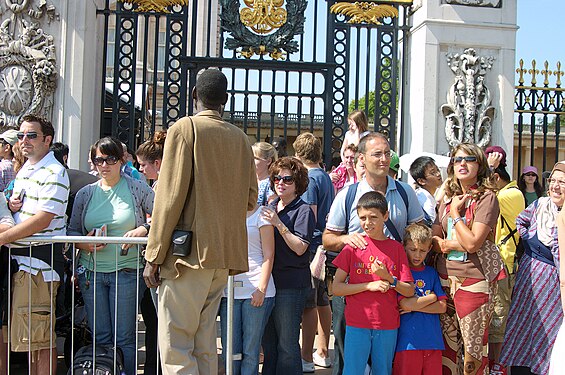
[159,6]
[477,3]
[27,61]
[468,113]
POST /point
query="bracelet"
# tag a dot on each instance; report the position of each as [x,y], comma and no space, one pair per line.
[283,230]
[260,291]
[146,226]
[456,220]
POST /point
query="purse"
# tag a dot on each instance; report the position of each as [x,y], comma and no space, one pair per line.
[318,264]
[182,242]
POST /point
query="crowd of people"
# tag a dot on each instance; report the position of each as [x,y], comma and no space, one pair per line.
[441,276]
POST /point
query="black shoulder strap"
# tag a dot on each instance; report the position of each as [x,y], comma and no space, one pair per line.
[509,235]
[389,224]
[349,198]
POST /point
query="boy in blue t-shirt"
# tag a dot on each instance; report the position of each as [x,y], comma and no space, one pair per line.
[420,341]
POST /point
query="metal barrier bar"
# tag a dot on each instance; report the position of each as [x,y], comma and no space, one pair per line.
[72,253]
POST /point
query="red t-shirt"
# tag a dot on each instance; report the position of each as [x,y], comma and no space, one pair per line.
[373,310]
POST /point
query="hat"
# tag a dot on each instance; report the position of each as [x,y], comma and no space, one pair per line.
[498,149]
[529,169]
[558,167]
[10,136]
[394,161]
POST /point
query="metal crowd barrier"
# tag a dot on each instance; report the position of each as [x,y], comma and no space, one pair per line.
[71,253]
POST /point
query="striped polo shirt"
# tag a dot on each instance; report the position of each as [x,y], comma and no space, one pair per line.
[46,186]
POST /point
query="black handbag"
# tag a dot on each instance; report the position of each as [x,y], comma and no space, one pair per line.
[182,242]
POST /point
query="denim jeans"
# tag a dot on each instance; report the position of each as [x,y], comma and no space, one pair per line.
[280,340]
[248,326]
[103,293]
[361,342]
[338,323]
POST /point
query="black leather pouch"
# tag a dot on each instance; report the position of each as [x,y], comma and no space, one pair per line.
[182,243]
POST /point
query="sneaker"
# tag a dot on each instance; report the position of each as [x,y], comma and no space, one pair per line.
[308,367]
[321,361]
[498,369]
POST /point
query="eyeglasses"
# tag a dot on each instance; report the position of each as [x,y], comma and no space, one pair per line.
[29,135]
[380,155]
[110,160]
[459,159]
[288,180]
[530,174]
[553,181]
[433,173]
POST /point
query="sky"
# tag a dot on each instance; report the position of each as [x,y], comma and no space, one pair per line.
[541,35]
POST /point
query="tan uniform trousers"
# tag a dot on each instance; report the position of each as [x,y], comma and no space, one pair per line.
[188,307]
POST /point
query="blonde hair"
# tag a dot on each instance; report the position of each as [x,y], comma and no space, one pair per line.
[19,159]
[360,119]
[417,233]
[264,150]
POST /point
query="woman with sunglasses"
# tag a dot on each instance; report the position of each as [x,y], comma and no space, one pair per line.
[294,223]
[109,276]
[535,311]
[469,264]
[529,184]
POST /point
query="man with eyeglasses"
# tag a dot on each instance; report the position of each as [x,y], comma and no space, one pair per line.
[39,201]
[7,173]
[343,226]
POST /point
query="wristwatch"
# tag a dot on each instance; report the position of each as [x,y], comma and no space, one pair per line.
[394,282]
[456,220]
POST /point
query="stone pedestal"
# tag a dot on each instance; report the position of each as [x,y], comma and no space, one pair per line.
[438,30]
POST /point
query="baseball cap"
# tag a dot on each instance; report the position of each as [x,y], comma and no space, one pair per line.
[10,136]
[498,149]
[394,161]
[529,169]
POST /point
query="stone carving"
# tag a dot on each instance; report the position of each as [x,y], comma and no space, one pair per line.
[468,113]
[27,61]
[477,3]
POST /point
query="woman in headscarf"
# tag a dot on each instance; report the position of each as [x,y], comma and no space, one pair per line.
[536,313]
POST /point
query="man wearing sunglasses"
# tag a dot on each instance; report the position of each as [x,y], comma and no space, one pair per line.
[208,195]
[38,204]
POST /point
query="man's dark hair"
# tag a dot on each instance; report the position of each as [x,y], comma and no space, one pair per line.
[373,200]
[60,150]
[211,87]
[502,173]
[46,126]
[362,146]
[419,166]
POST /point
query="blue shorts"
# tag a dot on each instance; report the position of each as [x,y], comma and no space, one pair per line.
[360,342]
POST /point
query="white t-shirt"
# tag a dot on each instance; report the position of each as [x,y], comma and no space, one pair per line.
[250,279]
[427,201]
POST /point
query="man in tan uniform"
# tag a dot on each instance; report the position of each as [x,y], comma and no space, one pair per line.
[206,185]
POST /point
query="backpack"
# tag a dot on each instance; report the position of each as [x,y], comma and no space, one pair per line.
[349,198]
[104,358]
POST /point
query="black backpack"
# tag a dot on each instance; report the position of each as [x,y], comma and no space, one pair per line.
[104,358]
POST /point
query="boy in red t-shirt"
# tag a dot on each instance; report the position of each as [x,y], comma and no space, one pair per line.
[376,275]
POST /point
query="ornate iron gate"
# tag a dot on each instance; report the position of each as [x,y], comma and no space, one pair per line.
[539,110]
[293,65]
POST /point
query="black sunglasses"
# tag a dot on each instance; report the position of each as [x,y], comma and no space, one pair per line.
[286,179]
[110,160]
[29,135]
[530,174]
[459,159]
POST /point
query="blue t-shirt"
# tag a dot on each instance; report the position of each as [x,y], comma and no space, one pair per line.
[418,330]
[399,214]
[264,192]
[320,193]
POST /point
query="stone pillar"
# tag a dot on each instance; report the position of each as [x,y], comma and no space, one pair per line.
[77,109]
[443,28]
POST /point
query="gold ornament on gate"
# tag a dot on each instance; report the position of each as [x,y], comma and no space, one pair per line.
[364,12]
[263,16]
[159,6]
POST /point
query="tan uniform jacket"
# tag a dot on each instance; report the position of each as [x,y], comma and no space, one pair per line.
[214,208]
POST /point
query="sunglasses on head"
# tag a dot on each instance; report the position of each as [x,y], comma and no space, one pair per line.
[459,159]
[110,160]
[29,135]
[286,179]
